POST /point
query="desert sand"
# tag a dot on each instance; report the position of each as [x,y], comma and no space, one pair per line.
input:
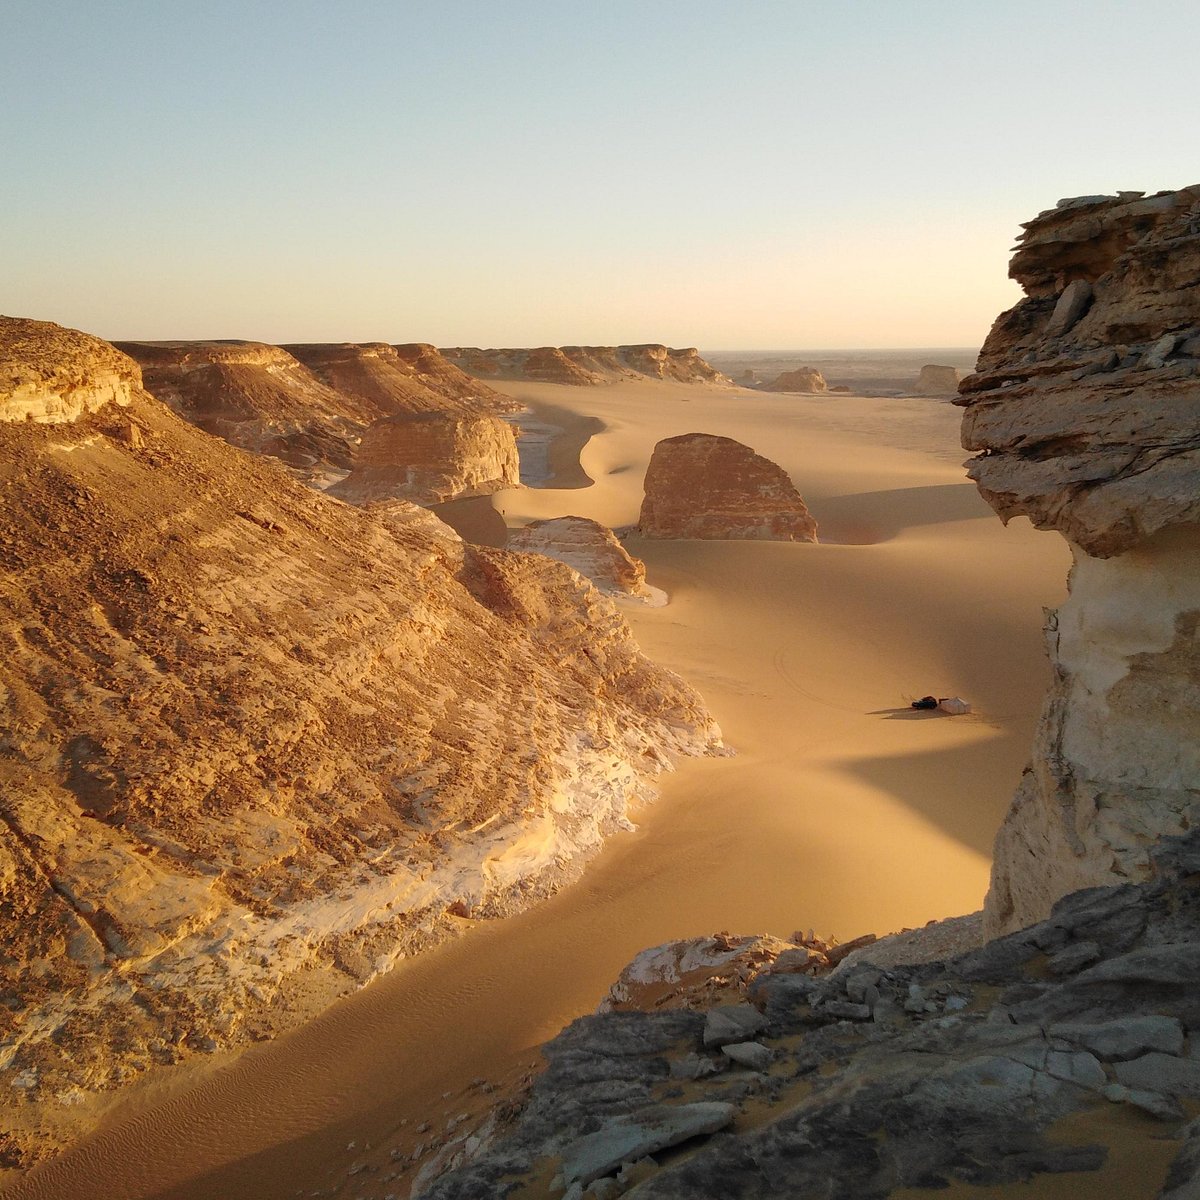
[842,810]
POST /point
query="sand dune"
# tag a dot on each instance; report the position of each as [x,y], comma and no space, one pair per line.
[843,810]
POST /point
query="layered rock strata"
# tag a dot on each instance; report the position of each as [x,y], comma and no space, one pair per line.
[591,549]
[1064,1051]
[587,365]
[256,744]
[1085,409]
[806,380]
[366,422]
[699,485]
[937,380]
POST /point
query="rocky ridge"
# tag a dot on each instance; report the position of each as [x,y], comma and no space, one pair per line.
[1085,409]
[257,744]
[365,423]
[586,365]
[699,485]
[1068,1049]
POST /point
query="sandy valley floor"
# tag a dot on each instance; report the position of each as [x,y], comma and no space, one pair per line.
[842,810]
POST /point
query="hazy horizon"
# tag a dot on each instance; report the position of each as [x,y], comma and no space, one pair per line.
[466,174]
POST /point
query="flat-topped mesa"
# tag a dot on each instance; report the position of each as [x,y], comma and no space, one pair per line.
[257,744]
[1086,408]
[50,375]
[390,380]
[936,379]
[362,443]
[592,549]
[699,485]
[806,380]
[587,366]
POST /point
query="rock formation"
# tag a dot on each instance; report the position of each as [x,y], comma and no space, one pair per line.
[592,549]
[936,380]
[803,379]
[699,485]
[371,423]
[587,365]
[1002,1066]
[257,744]
[1086,410]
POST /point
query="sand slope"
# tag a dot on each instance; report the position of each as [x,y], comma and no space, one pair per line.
[842,810]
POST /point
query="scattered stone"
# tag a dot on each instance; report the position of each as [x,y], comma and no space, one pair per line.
[754,1055]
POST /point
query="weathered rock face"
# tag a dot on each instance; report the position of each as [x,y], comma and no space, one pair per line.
[1084,400]
[255,743]
[699,485]
[1086,406]
[936,380]
[803,379]
[52,375]
[430,457]
[411,425]
[886,1079]
[592,549]
[587,365]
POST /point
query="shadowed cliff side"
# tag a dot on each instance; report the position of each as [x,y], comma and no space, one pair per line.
[256,744]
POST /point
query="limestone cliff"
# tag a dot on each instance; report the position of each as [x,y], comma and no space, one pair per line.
[1086,410]
[936,379]
[256,744]
[587,365]
[699,485]
[371,423]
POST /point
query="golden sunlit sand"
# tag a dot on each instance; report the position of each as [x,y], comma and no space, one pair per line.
[842,809]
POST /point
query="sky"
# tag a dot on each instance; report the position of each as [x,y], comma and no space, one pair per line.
[736,175]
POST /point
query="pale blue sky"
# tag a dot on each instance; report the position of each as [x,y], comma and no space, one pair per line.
[732,175]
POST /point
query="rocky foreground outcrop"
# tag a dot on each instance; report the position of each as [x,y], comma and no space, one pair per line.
[371,422]
[591,549]
[587,365]
[805,380]
[699,485]
[257,744]
[1085,409]
[937,380]
[1065,1050]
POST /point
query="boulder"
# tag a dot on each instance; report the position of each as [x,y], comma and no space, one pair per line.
[937,380]
[807,380]
[699,485]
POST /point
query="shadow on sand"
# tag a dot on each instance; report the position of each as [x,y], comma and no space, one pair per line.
[865,518]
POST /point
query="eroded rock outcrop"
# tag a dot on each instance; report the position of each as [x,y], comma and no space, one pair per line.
[587,365]
[1086,408]
[592,549]
[884,1080]
[256,744]
[806,380]
[699,485]
[937,380]
[368,423]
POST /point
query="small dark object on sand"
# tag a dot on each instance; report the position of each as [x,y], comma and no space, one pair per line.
[926,702]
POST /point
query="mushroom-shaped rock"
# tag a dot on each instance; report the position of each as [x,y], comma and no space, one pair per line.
[591,548]
[699,485]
